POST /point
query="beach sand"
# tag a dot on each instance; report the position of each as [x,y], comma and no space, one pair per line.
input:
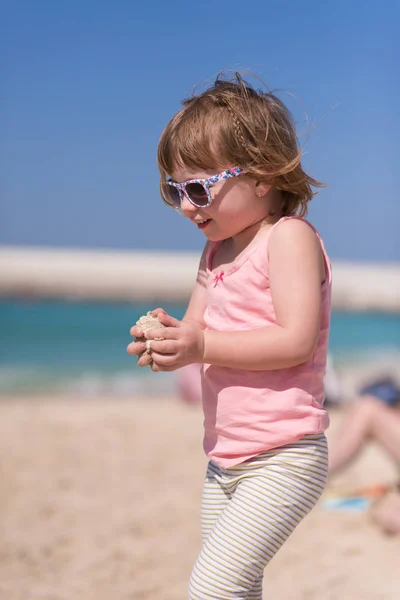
[100,501]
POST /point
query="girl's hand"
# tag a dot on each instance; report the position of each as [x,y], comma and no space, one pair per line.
[182,345]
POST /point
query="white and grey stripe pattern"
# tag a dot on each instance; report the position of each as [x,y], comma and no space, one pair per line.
[248,512]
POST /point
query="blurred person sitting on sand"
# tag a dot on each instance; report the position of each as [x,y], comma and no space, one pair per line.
[257,321]
[374,416]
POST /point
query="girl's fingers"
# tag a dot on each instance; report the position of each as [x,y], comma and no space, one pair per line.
[144,360]
[135,348]
[163,360]
[156,367]
[166,333]
[158,311]
[169,321]
[163,347]
[136,331]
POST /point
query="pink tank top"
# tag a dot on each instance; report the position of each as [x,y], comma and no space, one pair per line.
[246,412]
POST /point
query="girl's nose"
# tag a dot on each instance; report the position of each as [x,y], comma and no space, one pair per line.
[187,207]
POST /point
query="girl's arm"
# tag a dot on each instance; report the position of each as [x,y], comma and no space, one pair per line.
[296,271]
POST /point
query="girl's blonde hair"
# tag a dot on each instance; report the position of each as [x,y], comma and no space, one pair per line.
[231,124]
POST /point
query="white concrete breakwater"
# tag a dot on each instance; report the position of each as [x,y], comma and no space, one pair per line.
[163,276]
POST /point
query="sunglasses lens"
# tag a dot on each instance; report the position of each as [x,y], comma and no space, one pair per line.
[171,196]
[197,193]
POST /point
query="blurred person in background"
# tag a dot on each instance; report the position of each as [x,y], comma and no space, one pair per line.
[374,416]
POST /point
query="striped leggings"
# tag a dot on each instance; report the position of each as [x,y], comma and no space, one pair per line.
[248,511]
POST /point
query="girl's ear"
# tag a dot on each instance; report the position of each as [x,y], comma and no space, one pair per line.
[262,188]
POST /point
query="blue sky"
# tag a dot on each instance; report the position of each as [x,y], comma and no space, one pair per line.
[87,87]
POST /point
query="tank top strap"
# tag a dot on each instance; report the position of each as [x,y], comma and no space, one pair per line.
[328,268]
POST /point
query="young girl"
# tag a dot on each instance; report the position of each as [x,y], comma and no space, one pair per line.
[257,321]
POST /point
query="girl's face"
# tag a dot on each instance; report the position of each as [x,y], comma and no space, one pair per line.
[238,203]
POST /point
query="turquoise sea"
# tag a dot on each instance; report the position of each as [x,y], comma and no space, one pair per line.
[81,347]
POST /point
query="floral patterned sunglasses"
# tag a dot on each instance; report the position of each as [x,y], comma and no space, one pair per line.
[197,191]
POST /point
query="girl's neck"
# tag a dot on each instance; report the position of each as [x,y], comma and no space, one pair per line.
[243,239]
[272,214]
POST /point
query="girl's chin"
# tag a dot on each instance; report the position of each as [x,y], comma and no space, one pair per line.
[215,237]
[212,231]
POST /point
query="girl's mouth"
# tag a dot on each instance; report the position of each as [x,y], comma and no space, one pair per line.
[203,224]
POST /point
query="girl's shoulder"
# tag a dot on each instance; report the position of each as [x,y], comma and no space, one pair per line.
[296,237]
[293,226]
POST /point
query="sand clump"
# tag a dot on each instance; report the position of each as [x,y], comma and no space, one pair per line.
[146,323]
